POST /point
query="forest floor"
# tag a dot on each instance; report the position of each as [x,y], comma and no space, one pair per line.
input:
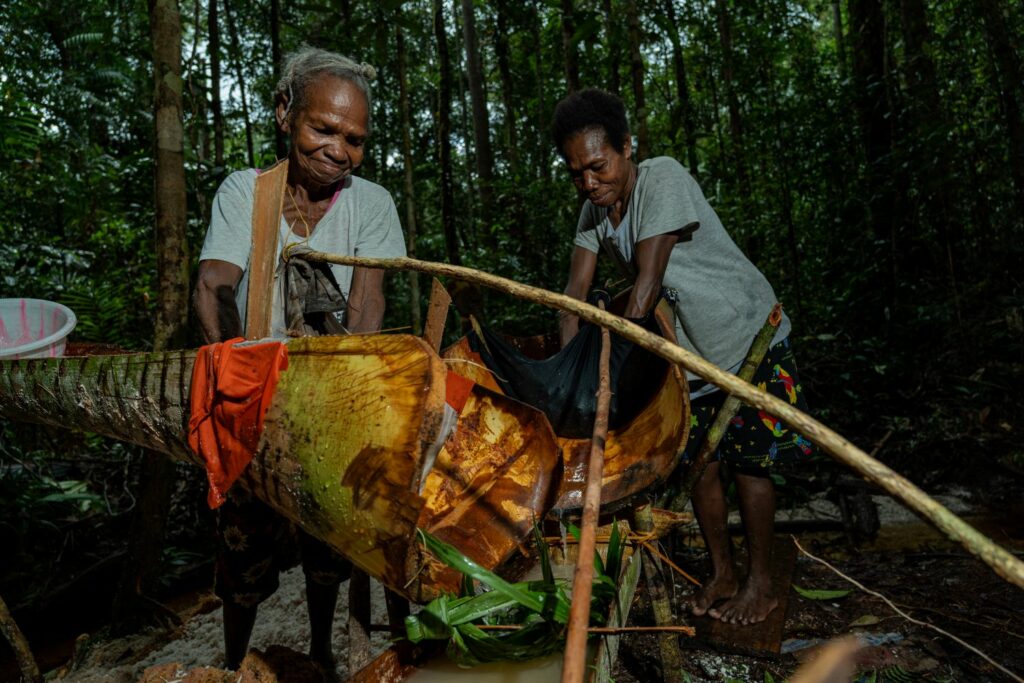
[908,562]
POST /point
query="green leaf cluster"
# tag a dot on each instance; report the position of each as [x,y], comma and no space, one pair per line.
[539,608]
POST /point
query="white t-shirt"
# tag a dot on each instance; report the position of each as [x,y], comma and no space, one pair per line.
[361,221]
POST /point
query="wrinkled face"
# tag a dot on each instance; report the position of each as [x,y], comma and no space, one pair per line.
[328,135]
[600,173]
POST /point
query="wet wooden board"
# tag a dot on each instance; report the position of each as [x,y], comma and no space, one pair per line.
[759,640]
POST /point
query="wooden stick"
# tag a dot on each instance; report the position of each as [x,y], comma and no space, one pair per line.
[668,645]
[618,616]
[730,406]
[22,651]
[1002,562]
[574,667]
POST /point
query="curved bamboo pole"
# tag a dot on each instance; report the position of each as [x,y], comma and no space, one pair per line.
[998,558]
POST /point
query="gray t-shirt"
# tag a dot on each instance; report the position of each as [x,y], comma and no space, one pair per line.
[361,221]
[723,298]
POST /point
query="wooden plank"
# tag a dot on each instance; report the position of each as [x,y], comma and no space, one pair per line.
[763,639]
[437,314]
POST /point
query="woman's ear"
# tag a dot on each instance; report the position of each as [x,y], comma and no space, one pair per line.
[627,149]
[281,114]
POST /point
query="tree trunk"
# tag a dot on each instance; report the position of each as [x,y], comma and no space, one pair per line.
[236,58]
[612,39]
[280,145]
[683,111]
[869,74]
[410,186]
[933,165]
[637,71]
[157,476]
[507,91]
[837,32]
[569,56]
[994,16]
[732,101]
[543,136]
[444,140]
[464,125]
[483,155]
[215,106]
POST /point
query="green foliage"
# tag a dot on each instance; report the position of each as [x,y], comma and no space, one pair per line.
[541,608]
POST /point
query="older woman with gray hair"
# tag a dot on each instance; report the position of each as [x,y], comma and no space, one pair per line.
[323,105]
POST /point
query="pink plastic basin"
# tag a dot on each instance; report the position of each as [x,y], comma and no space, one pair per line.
[34,328]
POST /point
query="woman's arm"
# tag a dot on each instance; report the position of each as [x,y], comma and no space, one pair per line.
[652,256]
[365,301]
[214,300]
[581,274]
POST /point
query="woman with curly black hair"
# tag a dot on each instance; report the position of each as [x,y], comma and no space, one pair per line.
[653,221]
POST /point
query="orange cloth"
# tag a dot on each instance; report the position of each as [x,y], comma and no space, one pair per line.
[231,391]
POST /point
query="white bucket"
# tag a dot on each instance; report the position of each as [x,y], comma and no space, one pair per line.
[34,328]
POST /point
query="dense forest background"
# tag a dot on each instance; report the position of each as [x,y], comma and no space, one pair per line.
[868,155]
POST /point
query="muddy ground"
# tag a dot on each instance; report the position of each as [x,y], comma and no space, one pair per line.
[925,575]
[930,578]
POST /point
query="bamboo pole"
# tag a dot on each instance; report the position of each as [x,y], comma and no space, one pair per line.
[1002,562]
[714,435]
[574,667]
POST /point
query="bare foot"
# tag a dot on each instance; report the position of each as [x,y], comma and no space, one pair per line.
[752,604]
[718,587]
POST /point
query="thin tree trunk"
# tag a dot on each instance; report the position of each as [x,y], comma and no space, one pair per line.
[869,73]
[465,128]
[684,107]
[611,39]
[569,56]
[215,106]
[507,91]
[280,145]
[444,141]
[994,17]
[934,167]
[150,518]
[732,101]
[478,99]
[637,72]
[410,186]
[837,31]
[236,58]
[543,144]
